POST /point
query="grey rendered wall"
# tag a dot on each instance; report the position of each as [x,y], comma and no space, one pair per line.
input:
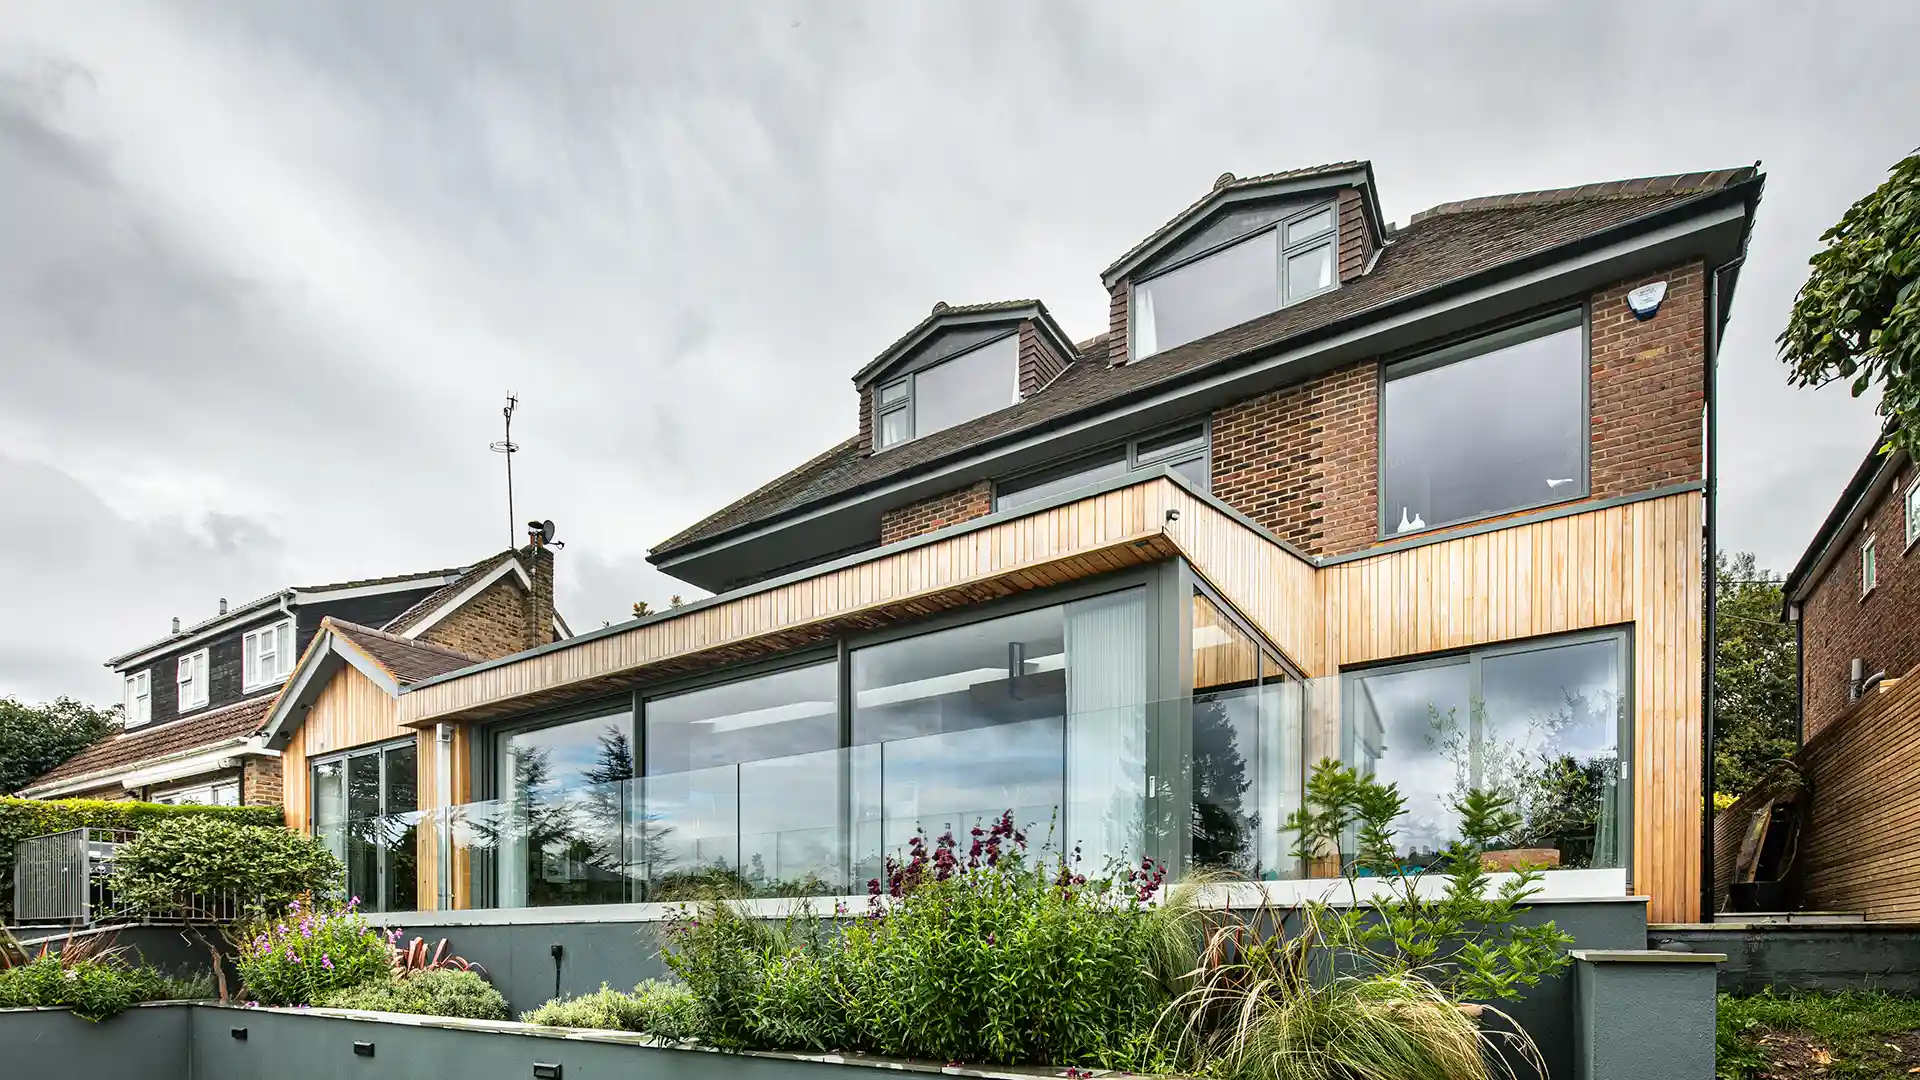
[1639,1020]
[1805,957]
[147,1043]
[519,959]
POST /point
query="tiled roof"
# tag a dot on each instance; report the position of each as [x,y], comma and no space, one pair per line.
[129,749]
[1229,182]
[1435,250]
[407,660]
[944,310]
[394,579]
[426,604]
[1638,187]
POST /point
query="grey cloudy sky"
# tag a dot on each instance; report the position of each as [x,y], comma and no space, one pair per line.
[267,270]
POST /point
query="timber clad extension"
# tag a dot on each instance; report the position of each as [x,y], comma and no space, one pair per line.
[1194,542]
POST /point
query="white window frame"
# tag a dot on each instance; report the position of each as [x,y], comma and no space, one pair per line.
[190,681]
[253,677]
[1869,566]
[1912,507]
[136,695]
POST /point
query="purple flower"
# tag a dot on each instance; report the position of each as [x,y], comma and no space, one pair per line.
[293,905]
[353,903]
[326,961]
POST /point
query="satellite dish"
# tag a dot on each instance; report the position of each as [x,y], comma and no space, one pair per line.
[546,532]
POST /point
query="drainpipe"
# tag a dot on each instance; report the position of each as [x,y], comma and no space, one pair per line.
[443,787]
[1712,588]
[1799,678]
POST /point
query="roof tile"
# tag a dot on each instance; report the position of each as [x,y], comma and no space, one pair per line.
[128,749]
[407,660]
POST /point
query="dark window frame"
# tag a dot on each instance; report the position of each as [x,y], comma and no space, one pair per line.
[910,380]
[1129,450]
[1283,251]
[377,750]
[1470,346]
[1474,657]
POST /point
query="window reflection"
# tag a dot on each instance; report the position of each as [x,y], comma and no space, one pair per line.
[1539,725]
[562,826]
[366,810]
[1041,713]
[743,787]
[1245,747]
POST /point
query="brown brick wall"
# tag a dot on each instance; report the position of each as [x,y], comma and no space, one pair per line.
[1304,461]
[1040,362]
[938,511]
[1117,323]
[261,782]
[1356,235]
[866,419]
[1648,386]
[505,618]
[1881,628]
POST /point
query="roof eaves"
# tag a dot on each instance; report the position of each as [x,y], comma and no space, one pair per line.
[945,314]
[236,614]
[1865,478]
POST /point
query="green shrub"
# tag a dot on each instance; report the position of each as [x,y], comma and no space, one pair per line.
[189,862]
[662,1009]
[22,818]
[973,954]
[301,956]
[93,989]
[446,992]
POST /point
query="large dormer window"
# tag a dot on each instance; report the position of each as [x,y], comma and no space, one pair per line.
[1242,279]
[953,391]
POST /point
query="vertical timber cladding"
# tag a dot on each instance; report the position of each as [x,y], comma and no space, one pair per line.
[354,711]
[1636,565]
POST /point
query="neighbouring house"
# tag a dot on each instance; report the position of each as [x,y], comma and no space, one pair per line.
[197,699]
[1429,499]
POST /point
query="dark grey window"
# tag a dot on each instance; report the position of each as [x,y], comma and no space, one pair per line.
[1243,280]
[1540,722]
[1183,448]
[974,383]
[560,826]
[1489,426]
[366,811]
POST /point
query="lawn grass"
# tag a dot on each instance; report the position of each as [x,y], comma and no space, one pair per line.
[1846,1036]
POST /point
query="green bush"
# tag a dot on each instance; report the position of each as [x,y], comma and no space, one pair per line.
[664,1010]
[186,862]
[22,818]
[973,954]
[446,992]
[93,989]
[302,956]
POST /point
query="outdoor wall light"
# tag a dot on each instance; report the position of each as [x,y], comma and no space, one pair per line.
[544,1070]
[361,1049]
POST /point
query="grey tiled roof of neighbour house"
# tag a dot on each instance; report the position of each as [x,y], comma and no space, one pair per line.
[128,748]
[1441,247]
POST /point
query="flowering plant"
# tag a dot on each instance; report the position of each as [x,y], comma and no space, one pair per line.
[300,956]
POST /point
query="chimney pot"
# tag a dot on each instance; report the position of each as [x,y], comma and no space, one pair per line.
[176,624]
[223,605]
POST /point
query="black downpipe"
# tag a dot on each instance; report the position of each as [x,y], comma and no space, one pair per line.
[1799,679]
[1710,635]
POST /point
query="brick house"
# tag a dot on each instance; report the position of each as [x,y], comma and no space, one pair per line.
[1854,596]
[1425,498]
[196,700]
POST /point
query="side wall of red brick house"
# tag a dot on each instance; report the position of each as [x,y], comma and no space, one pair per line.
[1881,627]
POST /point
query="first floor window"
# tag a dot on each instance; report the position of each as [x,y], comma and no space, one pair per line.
[1869,568]
[1913,510]
[137,698]
[267,655]
[366,810]
[1490,426]
[191,680]
[1541,723]
[1184,449]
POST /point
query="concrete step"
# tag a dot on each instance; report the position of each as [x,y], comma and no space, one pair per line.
[1780,918]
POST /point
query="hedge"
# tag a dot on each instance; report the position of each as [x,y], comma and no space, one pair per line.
[23,818]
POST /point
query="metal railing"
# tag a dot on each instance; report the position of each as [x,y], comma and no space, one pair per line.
[67,877]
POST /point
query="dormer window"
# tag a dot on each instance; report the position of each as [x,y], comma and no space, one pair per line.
[957,389]
[1243,279]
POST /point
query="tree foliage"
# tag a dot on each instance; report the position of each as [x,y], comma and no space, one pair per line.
[1858,315]
[183,865]
[1754,667]
[35,738]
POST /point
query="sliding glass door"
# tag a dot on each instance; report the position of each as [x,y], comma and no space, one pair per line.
[366,810]
[560,831]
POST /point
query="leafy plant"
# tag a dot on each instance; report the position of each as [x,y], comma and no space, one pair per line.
[35,738]
[973,953]
[1857,317]
[94,987]
[1466,938]
[427,992]
[302,955]
[662,1009]
[22,818]
[413,957]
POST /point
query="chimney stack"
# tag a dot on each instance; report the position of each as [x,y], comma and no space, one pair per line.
[176,624]
[223,605]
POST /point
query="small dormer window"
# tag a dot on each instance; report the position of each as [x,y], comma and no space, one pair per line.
[973,383]
[1242,279]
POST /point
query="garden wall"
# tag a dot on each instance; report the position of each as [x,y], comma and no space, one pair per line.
[1806,956]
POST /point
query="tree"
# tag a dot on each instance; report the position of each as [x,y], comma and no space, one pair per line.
[1754,691]
[35,738]
[1858,315]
